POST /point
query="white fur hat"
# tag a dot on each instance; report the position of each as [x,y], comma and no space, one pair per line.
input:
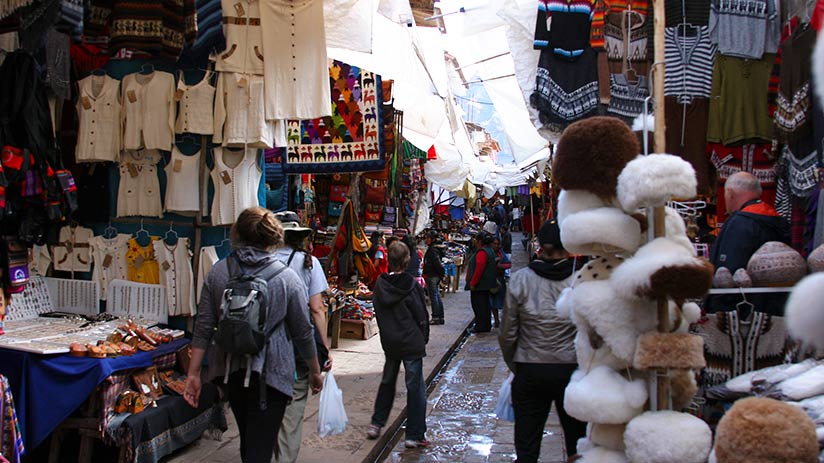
[655,179]
[572,201]
[667,437]
[805,310]
[610,436]
[600,231]
[604,396]
[602,455]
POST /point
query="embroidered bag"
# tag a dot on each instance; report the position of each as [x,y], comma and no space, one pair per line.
[335,209]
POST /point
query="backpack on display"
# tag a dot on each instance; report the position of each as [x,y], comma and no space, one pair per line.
[241,329]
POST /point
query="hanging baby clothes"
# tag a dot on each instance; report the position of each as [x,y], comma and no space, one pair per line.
[11,443]
[195,114]
[240,118]
[149,114]
[72,253]
[39,260]
[141,264]
[297,74]
[182,182]
[176,275]
[236,177]
[244,42]
[109,256]
[98,111]
[208,258]
[139,190]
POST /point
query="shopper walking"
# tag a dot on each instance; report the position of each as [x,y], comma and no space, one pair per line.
[404,331]
[506,247]
[254,236]
[377,252]
[497,294]
[433,273]
[480,279]
[297,257]
[538,346]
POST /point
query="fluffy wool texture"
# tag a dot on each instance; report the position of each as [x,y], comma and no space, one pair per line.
[818,69]
[572,201]
[804,312]
[616,320]
[601,455]
[600,231]
[591,153]
[609,436]
[760,430]
[604,396]
[640,123]
[676,230]
[683,387]
[667,437]
[806,385]
[591,352]
[692,312]
[663,268]
[669,350]
[653,180]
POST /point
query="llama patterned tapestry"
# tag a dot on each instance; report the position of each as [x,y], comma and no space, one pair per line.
[349,140]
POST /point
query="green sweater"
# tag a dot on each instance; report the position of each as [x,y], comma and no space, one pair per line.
[488,279]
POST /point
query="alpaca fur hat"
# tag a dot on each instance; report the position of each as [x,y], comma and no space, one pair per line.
[605,230]
[653,180]
[572,201]
[804,311]
[591,153]
[683,387]
[604,396]
[669,350]
[667,437]
[590,350]
[761,430]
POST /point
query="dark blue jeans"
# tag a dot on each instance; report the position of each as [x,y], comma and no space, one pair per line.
[432,286]
[415,396]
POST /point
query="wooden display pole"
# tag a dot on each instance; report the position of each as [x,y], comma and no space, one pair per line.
[662,400]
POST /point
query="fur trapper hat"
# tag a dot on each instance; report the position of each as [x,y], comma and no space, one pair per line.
[761,430]
[591,351]
[663,268]
[683,387]
[652,180]
[669,350]
[600,231]
[804,311]
[591,153]
[667,437]
[676,229]
[604,396]
[572,201]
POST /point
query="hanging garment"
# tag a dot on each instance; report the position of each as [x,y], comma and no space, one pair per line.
[39,260]
[793,115]
[195,113]
[58,64]
[175,263]
[745,28]
[689,62]
[149,111]
[98,111]
[244,39]
[109,256]
[296,70]
[240,117]
[139,190]
[12,439]
[801,169]
[208,258]
[72,252]
[569,35]
[565,90]
[628,99]
[210,36]
[738,101]
[687,137]
[87,57]
[236,178]
[604,8]
[141,264]
[183,182]
[753,158]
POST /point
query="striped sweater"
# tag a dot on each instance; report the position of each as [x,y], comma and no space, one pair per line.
[690,58]
[158,27]
[210,36]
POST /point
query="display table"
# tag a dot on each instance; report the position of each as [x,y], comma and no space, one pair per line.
[48,388]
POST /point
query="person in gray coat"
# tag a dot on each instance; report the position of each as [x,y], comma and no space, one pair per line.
[538,345]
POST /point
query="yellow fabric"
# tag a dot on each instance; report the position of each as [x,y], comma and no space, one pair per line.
[146,271]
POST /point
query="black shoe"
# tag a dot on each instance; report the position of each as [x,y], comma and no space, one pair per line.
[436,321]
[474,330]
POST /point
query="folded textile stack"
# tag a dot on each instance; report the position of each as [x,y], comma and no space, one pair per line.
[355,309]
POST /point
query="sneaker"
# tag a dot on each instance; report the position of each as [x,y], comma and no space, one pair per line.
[372,432]
[416,444]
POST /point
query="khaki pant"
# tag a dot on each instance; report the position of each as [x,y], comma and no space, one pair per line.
[291,428]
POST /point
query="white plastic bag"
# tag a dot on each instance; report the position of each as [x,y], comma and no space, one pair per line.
[331,414]
[504,409]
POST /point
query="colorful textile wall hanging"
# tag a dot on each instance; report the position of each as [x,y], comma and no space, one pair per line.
[349,140]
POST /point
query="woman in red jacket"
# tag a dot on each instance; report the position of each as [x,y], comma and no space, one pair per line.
[480,279]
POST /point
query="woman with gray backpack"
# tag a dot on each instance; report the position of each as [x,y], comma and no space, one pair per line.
[249,303]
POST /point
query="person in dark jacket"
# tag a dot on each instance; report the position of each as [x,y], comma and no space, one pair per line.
[400,308]
[751,223]
[480,279]
[413,268]
[506,247]
[433,273]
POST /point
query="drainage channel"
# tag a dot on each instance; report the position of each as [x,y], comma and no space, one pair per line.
[395,432]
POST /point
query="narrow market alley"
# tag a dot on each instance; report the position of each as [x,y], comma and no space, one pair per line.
[463,393]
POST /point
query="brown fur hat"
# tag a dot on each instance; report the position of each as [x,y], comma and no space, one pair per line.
[591,153]
[760,430]
[684,387]
[681,282]
[669,350]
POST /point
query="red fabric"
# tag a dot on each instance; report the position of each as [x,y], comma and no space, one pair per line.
[761,208]
[480,264]
[818,15]
[382,264]
[752,158]
[431,154]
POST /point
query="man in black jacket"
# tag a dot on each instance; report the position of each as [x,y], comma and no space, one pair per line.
[400,308]
[433,272]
